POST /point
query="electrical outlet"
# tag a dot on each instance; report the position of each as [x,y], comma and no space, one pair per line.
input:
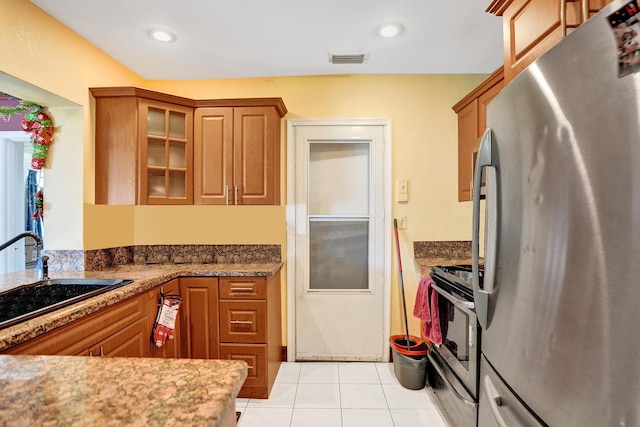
[402,222]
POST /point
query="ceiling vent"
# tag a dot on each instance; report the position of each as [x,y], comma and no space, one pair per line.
[359,58]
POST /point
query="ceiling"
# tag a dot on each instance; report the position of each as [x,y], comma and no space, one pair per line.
[259,38]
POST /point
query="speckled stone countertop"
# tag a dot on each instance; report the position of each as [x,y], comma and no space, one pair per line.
[425,264]
[144,277]
[95,391]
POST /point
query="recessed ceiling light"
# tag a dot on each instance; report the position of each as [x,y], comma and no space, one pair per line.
[390,29]
[162,35]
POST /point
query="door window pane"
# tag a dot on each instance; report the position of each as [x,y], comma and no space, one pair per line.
[339,254]
[338,178]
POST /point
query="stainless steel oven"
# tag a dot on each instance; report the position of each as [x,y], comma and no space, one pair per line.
[454,364]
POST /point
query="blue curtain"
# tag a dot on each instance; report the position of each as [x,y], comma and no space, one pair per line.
[31,188]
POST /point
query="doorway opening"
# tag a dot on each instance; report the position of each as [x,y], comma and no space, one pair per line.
[19,187]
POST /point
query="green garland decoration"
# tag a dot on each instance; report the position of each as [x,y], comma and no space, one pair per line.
[7,111]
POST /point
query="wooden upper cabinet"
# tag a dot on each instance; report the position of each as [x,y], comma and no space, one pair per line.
[144,147]
[472,122]
[154,148]
[256,156]
[531,27]
[237,155]
[213,155]
[166,158]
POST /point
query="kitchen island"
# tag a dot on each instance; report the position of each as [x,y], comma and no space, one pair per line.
[74,391]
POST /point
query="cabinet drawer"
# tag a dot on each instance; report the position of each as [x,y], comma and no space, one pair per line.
[243,321]
[243,287]
[256,357]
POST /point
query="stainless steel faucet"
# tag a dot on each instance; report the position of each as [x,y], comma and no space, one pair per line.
[34,236]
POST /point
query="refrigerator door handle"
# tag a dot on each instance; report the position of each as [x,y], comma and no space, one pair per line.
[484,164]
[495,401]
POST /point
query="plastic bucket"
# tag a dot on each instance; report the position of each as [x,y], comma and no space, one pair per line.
[417,347]
[410,366]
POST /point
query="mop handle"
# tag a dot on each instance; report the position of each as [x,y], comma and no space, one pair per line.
[404,303]
[395,227]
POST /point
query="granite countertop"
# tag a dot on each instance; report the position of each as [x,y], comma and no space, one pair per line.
[145,277]
[89,391]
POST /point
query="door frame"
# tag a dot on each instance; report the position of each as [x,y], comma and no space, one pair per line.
[291,260]
[9,261]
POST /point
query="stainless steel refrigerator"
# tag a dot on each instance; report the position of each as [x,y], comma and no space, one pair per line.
[560,304]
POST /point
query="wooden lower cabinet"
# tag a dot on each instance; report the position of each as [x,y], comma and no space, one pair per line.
[121,330]
[199,318]
[250,329]
[220,318]
[131,341]
[257,383]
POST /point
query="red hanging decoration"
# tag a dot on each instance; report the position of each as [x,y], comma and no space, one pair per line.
[39,214]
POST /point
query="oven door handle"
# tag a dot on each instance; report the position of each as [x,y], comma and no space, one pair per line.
[454,299]
[446,380]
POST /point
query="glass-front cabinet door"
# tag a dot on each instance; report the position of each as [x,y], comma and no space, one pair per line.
[166,159]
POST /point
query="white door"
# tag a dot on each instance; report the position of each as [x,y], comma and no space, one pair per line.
[340,242]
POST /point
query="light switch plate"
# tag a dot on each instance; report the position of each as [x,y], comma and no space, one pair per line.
[403,186]
[402,222]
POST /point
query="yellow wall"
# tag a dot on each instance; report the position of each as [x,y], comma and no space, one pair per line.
[41,52]
[47,58]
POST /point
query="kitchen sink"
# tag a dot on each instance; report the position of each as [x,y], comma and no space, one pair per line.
[32,300]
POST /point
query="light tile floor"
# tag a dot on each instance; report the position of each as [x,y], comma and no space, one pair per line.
[340,394]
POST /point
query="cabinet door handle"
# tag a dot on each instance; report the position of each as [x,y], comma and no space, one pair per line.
[101,351]
[585,10]
[226,195]
[236,194]
[90,353]
[241,322]
[584,15]
[249,366]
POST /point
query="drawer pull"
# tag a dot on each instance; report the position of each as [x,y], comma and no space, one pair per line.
[249,289]
[241,322]
[250,366]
